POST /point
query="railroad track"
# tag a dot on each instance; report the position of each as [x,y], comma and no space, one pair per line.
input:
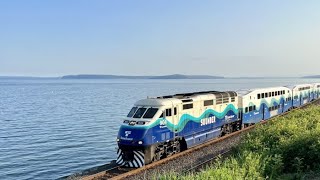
[201,164]
[190,160]
[108,173]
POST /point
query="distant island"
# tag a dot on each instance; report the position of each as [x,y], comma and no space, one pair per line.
[314,76]
[173,76]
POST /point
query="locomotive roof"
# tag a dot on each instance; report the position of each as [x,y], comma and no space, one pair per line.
[154,102]
[217,94]
[184,98]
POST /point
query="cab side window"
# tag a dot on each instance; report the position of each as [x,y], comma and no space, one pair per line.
[168,112]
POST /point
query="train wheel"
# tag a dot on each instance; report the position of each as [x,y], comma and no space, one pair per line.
[156,157]
[158,153]
[177,147]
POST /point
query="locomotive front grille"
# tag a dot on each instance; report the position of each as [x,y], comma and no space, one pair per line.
[127,155]
[133,158]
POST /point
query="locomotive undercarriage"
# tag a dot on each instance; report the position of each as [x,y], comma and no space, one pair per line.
[168,148]
[231,127]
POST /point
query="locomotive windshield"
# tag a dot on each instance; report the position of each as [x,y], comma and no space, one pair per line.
[139,113]
[147,113]
[150,113]
[132,111]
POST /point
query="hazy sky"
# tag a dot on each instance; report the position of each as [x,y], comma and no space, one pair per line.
[133,37]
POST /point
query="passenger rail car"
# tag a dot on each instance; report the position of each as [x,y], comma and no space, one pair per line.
[301,94]
[262,104]
[159,127]
[316,91]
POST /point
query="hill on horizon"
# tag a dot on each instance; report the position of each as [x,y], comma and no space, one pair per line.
[314,76]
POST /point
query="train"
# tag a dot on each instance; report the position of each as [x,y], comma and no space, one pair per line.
[158,127]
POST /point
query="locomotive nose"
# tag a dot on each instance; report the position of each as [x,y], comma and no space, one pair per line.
[128,135]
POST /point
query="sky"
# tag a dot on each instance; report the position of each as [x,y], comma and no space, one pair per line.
[229,38]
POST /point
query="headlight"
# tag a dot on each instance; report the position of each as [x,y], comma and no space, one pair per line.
[140,142]
[118,139]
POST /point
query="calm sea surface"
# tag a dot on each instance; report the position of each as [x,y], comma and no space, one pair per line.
[53,128]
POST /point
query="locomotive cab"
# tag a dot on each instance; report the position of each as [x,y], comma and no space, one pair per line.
[136,136]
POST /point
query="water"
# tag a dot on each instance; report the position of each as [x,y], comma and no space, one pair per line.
[53,128]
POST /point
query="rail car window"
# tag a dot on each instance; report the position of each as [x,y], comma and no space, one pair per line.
[250,108]
[254,107]
[246,110]
[258,96]
[266,95]
[233,99]
[272,94]
[187,106]
[276,93]
[208,102]
[269,94]
[283,92]
[262,95]
[150,113]
[139,112]
[175,111]
[132,111]
[168,112]
[295,97]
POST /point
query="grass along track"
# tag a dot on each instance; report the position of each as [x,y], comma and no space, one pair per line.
[286,148]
